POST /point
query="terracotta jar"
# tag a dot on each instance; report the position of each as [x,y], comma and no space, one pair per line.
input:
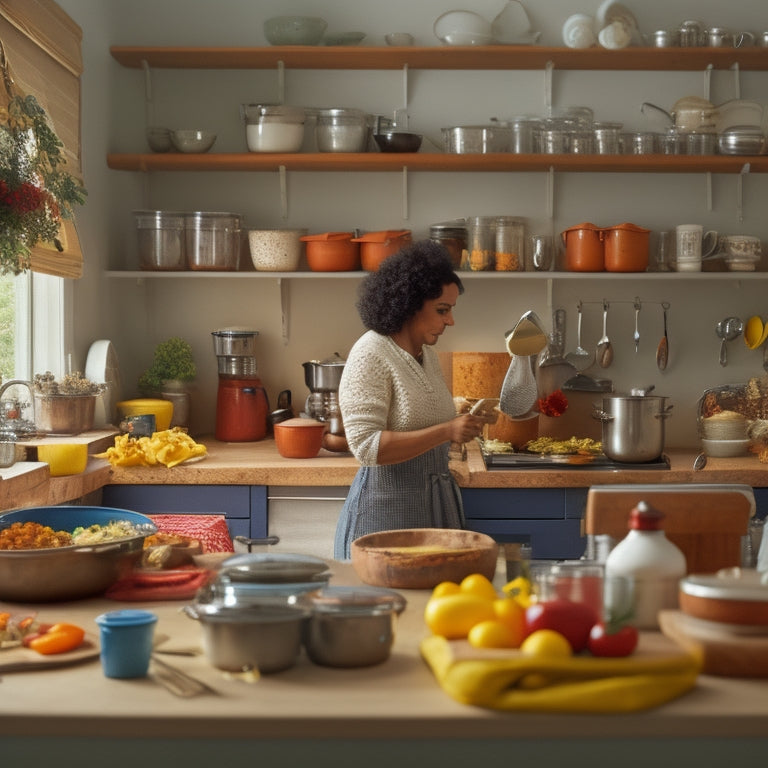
[376,246]
[584,248]
[626,248]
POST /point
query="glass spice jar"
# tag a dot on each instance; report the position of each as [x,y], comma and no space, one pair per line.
[452,235]
[481,244]
[510,239]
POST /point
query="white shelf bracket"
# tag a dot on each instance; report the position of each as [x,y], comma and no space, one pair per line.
[708,190]
[740,192]
[281,82]
[736,80]
[149,105]
[549,192]
[283,192]
[284,308]
[405,193]
[549,68]
[708,81]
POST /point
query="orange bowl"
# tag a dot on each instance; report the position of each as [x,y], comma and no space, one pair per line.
[299,438]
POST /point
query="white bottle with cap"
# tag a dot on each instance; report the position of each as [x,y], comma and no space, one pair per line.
[650,562]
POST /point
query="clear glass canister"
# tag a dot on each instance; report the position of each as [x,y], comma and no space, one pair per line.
[452,235]
[161,242]
[510,244]
[481,244]
[607,138]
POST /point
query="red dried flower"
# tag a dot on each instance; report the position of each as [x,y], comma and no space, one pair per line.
[555,404]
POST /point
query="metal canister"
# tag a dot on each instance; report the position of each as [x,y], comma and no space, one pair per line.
[523,130]
[640,143]
[691,34]
[607,138]
[452,235]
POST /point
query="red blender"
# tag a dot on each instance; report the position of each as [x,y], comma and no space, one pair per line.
[241,401]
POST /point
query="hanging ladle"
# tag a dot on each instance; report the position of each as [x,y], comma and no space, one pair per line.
[727,330]
[662,351]
[580,358]
[604,347]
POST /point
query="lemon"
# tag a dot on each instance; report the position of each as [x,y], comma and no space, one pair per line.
[445,588]
[64,458]
[478,584]
[509,612]
[546,643]
[454,615]
[492,633]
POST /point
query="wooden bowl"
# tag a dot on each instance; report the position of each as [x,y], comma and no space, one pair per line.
[732,596]
[420,558]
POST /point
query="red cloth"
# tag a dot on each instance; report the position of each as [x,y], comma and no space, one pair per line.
[210,530]
[181,584]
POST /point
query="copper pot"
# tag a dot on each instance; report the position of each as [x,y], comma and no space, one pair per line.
[626,248]
[584,250]
[332,252]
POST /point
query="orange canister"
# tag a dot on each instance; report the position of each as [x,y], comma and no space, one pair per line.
[376,246]
[626,248]
[584,248]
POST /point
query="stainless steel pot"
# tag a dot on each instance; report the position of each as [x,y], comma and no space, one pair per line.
[324,376]
[633,426]
[234,342]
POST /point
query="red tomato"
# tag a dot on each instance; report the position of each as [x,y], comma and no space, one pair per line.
[573,620]
[605,640]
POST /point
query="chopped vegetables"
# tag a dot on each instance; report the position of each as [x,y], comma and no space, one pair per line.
[168,447]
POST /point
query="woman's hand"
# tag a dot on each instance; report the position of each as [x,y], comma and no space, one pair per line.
[466,427]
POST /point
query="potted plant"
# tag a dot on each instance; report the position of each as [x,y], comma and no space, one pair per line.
[66,406]
[173,367]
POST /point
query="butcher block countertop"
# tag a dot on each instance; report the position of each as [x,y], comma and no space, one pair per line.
[399,699]
[259,463]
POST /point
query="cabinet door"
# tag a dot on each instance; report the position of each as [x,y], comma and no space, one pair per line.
[245,507]
[549,519]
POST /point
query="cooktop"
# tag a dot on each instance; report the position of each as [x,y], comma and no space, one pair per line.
[570,461]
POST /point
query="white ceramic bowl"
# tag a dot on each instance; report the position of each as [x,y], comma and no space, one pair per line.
[295,30]
[722,449]
[276,250]
[463,28]
[192,140]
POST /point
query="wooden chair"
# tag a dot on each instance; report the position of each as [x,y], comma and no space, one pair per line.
[707,522]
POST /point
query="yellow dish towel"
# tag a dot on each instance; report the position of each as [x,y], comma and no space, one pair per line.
[509,680]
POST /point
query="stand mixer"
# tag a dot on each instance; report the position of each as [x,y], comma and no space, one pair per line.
[241,401]
[323,378]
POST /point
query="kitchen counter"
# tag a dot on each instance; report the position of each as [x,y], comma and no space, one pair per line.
[259,463]
[391,702]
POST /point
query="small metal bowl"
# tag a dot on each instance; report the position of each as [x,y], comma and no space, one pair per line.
[741,140]
[398,141]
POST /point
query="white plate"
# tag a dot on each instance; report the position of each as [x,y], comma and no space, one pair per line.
[609,11]
[579,31]
[101,367]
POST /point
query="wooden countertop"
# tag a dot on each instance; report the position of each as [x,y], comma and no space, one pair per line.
[399,699]
[259,463]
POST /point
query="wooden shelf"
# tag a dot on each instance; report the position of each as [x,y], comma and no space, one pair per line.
[438,162]
[496,57]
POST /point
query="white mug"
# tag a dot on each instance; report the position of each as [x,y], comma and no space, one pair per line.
[691,242]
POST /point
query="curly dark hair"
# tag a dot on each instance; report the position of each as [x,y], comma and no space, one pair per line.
[389,297]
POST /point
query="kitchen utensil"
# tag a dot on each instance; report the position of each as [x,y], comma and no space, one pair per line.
[691,113]
[341,130]
[636,334]
[580,358]
[554,369]
[755,332]
[541,253]
[161,240]
[731,596]
[344,38]
[662,351]
[519,391]
[700,462]
[517,432]
[398,141]
[71,572]
[192,140]
[584,251]
[626,248]
[325,375]
[64,414]
[421,558]
[604,352]
[64,458]
[352,626]
[102,367]
[273,127]
[462,28]
[724,448]
[477,139]
[527,337]
[376,246]
[162,410]
[741,140]
[126,642]
[174,680]
[727,330]
[633,426]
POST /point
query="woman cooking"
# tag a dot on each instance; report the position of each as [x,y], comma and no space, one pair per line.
[398,413]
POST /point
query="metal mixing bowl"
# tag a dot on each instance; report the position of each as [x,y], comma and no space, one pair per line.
[73,572]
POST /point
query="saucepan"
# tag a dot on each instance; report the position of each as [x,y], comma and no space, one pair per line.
[691,113]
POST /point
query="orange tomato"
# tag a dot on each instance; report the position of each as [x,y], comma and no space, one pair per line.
[445,588]
[60,638]
[512,614]
[477,584]
[492,633]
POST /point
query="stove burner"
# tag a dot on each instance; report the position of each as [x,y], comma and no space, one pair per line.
[539,461]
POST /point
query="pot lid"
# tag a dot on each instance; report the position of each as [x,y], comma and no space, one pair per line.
[357,600]
[268,568]
[693,103]
[230,333]
[291,114]
[627,227]
[583,225]
[383,236]
[325,236]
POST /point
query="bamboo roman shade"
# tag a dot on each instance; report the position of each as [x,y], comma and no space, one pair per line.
[42,46]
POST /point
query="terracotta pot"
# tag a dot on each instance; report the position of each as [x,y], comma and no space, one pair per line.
[626,248]
[376,246]
[515,431]
[584,250]
[299,438]
[332,252]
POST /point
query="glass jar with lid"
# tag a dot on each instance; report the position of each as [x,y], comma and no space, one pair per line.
[452,235]
[510,239]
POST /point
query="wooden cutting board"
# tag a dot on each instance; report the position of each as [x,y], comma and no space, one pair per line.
[23,659]
[727,650]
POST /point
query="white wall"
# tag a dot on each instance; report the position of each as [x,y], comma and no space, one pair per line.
[136,315]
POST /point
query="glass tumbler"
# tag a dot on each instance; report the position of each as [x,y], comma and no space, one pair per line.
[541,253]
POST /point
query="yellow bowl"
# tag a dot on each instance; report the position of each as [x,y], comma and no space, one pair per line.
[754,332]
[162,410]
[64,458]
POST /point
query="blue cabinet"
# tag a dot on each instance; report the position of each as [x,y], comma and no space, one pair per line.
[549,519]
[244,506]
